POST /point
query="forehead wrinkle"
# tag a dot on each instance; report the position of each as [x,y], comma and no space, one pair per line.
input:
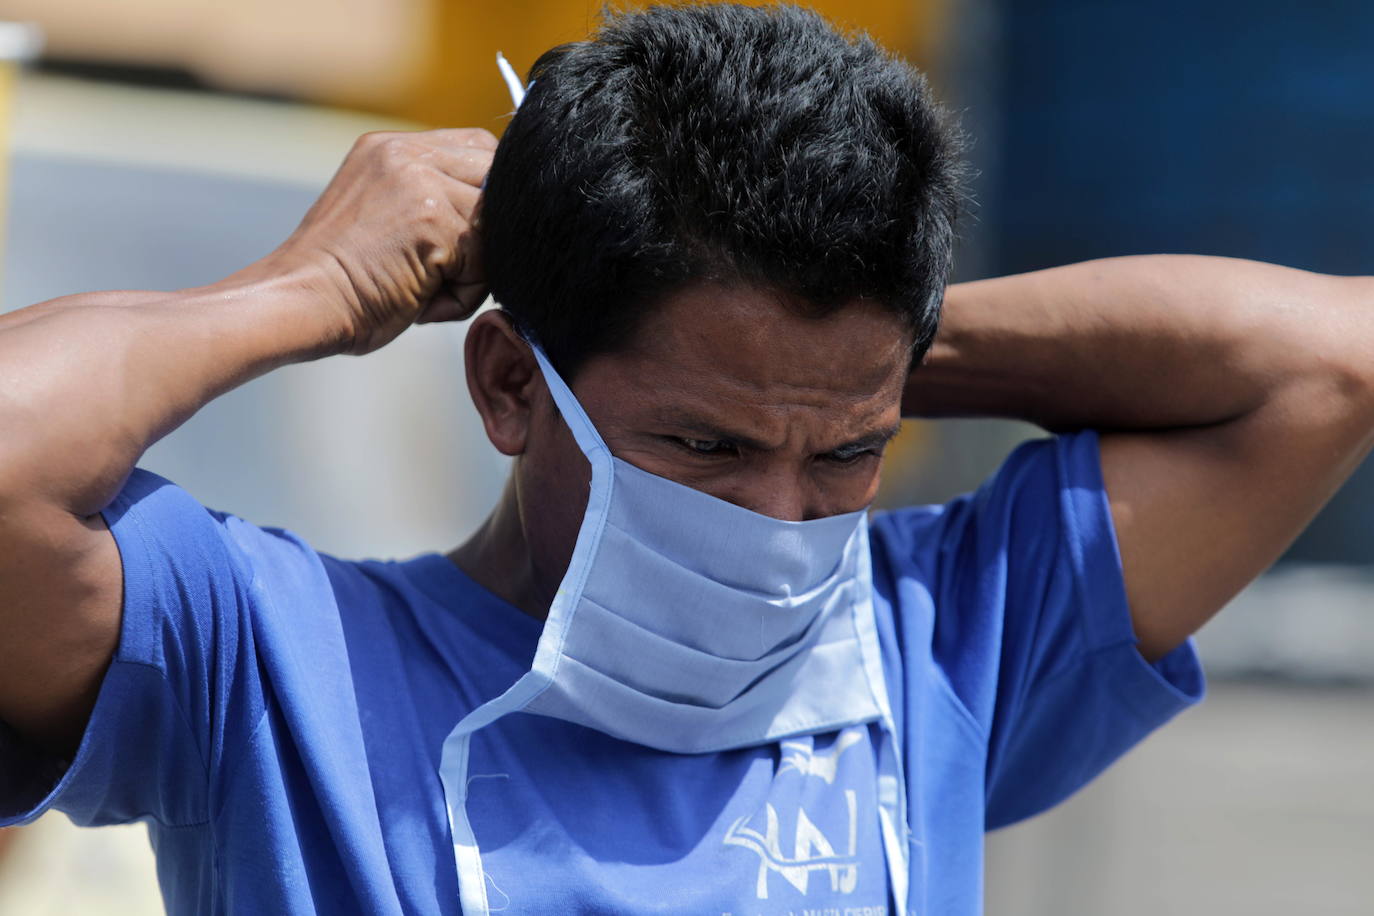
[708,424]
[755,342]
[824,388]
[819,387]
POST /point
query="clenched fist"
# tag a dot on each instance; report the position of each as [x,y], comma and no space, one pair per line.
[391,240]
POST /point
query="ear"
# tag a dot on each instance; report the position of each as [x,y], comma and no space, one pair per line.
[503,377]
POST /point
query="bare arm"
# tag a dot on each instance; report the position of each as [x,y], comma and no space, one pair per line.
[1235,399]
[88,382]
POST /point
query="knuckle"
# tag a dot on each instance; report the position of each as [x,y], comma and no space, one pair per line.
[433,216]
[478,157]
[371,139]
[412,172]
[397,151]
[439,255]
[462,138]
[480,137]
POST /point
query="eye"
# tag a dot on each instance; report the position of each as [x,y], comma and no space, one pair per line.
[848,456]
[705,446]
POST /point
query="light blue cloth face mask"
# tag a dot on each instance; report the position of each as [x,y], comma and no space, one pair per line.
[688,624]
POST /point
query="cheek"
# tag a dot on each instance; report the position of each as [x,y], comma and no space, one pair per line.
[553,478]
[849,489]
[875,479]
[660,459]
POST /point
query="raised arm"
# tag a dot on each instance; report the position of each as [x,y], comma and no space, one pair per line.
[88,382]
[1234,399]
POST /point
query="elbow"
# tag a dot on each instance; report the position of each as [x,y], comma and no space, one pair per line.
[1330,379]
[1346,357]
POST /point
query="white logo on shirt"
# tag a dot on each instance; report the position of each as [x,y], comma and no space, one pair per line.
[798,755]
[811,851]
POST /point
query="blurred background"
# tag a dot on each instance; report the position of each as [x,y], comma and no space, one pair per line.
[165,143]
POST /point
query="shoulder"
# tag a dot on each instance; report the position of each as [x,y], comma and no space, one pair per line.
[197,580]
[975,581]
[1021,503]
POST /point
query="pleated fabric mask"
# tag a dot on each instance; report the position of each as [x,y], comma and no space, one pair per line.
[688,624]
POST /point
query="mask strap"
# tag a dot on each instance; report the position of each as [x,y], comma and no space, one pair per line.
[588,439]
[517,88]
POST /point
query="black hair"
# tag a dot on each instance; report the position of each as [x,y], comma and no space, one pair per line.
[718,142]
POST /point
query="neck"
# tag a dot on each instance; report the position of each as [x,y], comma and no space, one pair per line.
[498,558]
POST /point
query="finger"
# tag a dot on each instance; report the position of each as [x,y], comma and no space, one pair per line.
[466,268]
[465,199]
[449,137]
[470,296]
[443,307]
[469,165]
[454,303]
[393,151]
[464,137]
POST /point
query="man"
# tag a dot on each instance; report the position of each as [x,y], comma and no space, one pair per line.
[728,231]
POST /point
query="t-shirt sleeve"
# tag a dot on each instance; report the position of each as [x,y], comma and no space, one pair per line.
[1074,693]
[179,683]
[1032,629]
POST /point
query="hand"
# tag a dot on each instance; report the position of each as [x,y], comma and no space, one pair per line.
[391,241]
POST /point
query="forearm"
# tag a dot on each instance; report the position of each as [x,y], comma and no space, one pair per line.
[90,381]
[1137,343]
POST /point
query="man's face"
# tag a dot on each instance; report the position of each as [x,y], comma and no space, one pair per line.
[728,391]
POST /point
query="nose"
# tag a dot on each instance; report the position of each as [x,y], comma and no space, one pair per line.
[780,506]
[780,496]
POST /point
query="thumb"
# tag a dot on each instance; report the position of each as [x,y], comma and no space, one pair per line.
[454,302]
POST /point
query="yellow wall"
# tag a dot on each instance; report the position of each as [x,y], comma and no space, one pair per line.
[460,87]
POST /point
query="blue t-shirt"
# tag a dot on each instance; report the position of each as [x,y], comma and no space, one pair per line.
[276,716]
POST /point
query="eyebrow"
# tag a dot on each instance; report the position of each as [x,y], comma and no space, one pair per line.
[872,440]
[706,429]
